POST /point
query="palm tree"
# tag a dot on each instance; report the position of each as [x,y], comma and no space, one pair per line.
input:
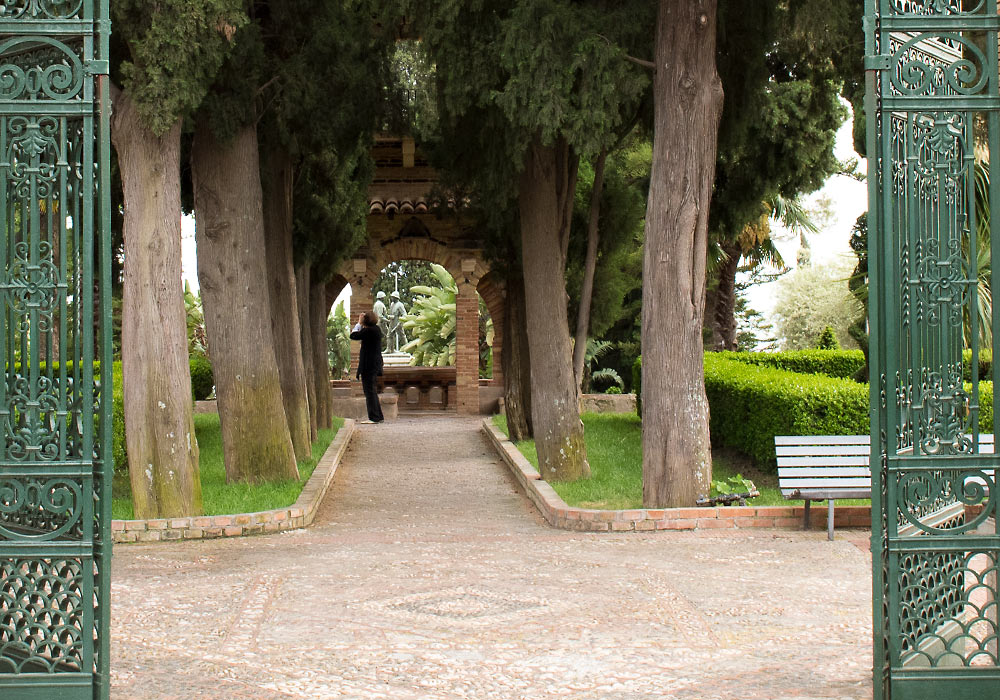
[755,247]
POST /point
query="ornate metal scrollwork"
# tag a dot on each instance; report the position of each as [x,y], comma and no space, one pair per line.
[29,72]
[923,492]
[39,509]
[935,7]
[40,9]
[918,73]
[40,614]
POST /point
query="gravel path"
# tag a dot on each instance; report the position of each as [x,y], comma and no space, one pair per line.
[428,576]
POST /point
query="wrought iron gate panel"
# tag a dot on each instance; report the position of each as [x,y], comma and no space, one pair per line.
[933,106]
[55,394]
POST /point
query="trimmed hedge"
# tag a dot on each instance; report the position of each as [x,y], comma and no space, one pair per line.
[202,380]
[751,404]
[844,364]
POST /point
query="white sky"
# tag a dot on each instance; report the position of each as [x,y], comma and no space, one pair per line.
[849,198]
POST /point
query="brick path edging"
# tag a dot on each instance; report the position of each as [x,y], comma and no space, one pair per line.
[558,514]
[298,515]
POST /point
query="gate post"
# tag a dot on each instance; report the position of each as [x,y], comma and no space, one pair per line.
[933,111]
[55,330]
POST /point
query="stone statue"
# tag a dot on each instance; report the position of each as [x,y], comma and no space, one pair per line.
[396,335]
[383,321]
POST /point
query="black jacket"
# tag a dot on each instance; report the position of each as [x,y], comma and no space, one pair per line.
[370,359]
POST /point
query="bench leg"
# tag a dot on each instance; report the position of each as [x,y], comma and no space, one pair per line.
[805,517]
[829,519]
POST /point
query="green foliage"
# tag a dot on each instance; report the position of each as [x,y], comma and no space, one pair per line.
[411,273]
[202,380]
[197,338]
[431,322]
[737,484]
[985,365]
[828,339]
[613,389]
[338,341]
[749,405]
[165,54]
[618,271]
[843,364]
[637,384]
[119,456]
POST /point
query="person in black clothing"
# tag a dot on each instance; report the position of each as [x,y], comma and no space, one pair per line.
[369,362]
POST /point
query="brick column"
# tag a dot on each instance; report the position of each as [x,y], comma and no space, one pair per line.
[361,300]
[498,326]
[467,341]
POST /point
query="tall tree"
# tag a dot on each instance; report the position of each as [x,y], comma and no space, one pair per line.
[320,58]
[159,81]
[688,96]
[553,90]
[228,199]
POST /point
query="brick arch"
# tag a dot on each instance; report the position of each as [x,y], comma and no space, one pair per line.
[468,269]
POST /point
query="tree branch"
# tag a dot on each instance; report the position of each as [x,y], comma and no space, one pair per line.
[638,61]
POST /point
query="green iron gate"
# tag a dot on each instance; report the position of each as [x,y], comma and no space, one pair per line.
[55,396]
[933,124]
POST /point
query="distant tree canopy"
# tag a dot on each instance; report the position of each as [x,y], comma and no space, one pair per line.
[811,298]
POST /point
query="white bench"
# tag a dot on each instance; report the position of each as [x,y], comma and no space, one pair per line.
[828,467]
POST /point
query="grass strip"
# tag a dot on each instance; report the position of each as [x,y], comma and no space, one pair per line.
[614,450]
[220,498]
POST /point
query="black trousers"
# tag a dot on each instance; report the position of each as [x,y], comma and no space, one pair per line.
[369,382]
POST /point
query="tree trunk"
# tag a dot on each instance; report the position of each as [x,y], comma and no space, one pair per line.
[545,198]
[516,363]
[319,311]
[677,455]
[230,237]
[159,428]
[725,303]
[277,186]
[589,269]
[302,287]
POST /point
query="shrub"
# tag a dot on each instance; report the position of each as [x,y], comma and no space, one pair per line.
[637,383]
[828,339]
[985,365]
[202,381]
[843,364]
[613,390]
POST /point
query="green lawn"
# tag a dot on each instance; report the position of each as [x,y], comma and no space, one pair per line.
[220,498]
[614,449]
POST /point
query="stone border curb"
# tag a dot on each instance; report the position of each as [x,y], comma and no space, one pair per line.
[558,514]
[299,515]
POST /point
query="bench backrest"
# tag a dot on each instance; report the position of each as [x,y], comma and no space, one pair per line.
[811,463]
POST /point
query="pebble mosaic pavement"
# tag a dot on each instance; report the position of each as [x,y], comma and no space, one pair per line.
[428,576]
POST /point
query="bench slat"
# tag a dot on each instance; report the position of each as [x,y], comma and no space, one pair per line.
[823,495]
[817,450]
[822,439]
[857,461]
[824,472]
[835,483]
